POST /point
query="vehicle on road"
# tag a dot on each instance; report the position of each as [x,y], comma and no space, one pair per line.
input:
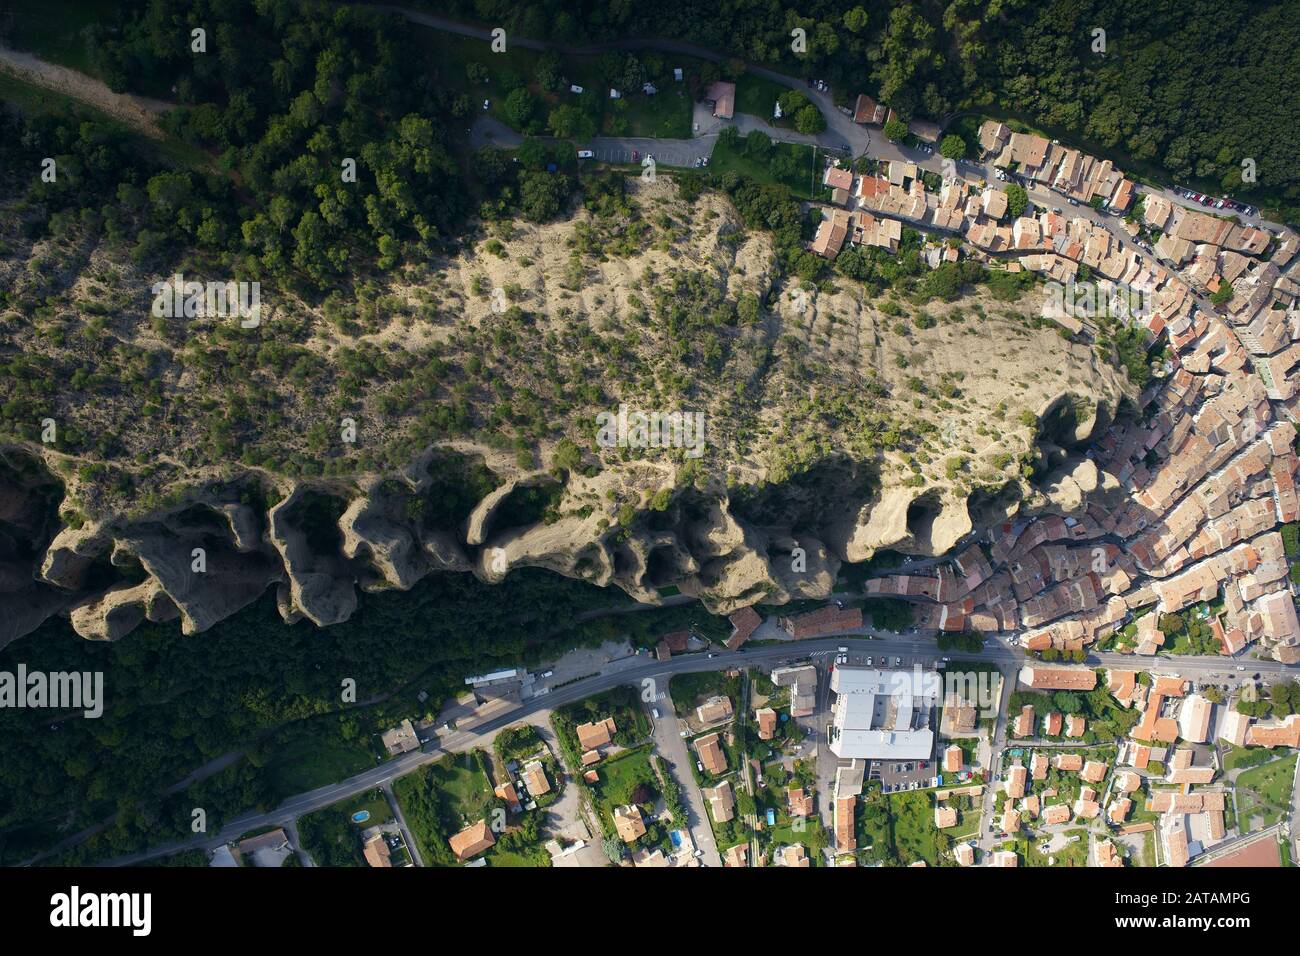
[586,154]
[655,711]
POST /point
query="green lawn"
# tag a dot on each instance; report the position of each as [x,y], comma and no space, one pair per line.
[441,799]
[331,837]
[1239,758]
[1264,792]
[1075,854]
[912,822]
[757,96]
[307,759]
[793,165]
[621,776]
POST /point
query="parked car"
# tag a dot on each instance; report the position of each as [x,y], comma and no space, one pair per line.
[655,711]
[586,154]
[486,104]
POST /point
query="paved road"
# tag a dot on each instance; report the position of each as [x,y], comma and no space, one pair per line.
[459,741]
[401,823]
[997,744]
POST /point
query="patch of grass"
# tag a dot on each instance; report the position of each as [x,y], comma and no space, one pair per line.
[793,165]
[1265,792]
[309,759]
[757,96]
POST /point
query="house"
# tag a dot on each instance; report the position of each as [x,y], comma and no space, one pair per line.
[1053,724]
[830,236]
[795,855]
[736,856]
[801,802]
[400,739]
[868,112]
[959,715]
[1055,814]
[628,823]
[767,721]
[1010,820]
[945,817]
[507,792]
[1006,858]
[837,177]
[1071,763]
[952,759]
[723,97]
[655,858]
[1038,766]
[1024,723]
[1107,855]
[596,734]
[964,853]
[1075,725]
[590,757]
[845,817]
[722,801]
[802,682]
[471,841]
[1173,834]
[535,778]
[1094,771]
[1017,778]
[375,850]
[711,756]
[714,710]
[743,624]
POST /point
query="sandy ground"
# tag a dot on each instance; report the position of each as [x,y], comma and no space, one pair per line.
[137,111]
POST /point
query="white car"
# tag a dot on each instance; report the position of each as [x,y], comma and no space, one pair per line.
[486,104]
[586,154]
[655,711]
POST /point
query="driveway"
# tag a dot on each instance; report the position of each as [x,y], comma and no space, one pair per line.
[676,760]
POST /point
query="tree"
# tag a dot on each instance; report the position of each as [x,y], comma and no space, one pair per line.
[520,107]
[569,122]
[1017,199]
[809,120]
[953,147]
[1223,294]
[895,130]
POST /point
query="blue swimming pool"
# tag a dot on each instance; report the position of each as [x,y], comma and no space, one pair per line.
[361,816]
[676,837]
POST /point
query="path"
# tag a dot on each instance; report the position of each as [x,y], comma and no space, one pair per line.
[139,112]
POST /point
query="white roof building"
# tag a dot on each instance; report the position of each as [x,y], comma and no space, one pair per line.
[882,714]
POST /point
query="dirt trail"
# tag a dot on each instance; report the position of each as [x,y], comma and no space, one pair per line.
[139,112]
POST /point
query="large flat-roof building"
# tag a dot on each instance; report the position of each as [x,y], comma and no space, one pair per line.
[882,714]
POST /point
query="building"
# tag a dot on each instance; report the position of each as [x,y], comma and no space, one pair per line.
[722,801]
[868,112]
[1194,719]
[723,97]
[375,850]
[400,739]
[736,856]
[596,734]
[882,714]
[472,840]
[535,778]
[714,710]
[801,802]
[1038,677]
[945,817]
[628,823]
[743,624]
[767,720]
[952,759]
[709,748]
[802,682]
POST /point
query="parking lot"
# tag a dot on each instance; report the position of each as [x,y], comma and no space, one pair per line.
[897,775]
[682,153]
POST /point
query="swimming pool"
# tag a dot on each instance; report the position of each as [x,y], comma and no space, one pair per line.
[676,837]
[361,816]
